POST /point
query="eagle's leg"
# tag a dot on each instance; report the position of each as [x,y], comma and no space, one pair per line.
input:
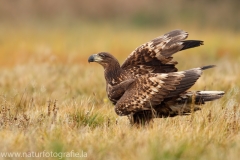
[141,118]
[146,117]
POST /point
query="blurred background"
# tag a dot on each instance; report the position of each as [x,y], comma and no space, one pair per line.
[44,50]
[69,31]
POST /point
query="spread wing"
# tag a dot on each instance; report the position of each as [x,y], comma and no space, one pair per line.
[155,55]
[150,90]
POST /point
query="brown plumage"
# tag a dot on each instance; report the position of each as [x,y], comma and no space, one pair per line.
[147,85]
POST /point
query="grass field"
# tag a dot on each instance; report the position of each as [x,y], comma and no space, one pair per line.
[53,100]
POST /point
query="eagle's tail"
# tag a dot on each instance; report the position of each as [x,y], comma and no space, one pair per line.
[184,104]
[199,97]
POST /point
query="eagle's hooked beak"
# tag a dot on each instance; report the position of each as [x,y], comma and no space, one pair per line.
[94,58]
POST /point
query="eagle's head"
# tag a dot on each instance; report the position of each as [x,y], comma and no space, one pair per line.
[103,58]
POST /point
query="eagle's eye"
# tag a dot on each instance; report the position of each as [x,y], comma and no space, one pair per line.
[102,55]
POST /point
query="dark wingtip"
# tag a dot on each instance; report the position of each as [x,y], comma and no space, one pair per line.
[207,67]
[191,44]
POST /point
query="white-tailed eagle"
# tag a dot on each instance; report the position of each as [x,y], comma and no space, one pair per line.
[148,85]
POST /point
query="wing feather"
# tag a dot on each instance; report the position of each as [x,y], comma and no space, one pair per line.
[150,90]
[146,91]
[155,55]
[189,79]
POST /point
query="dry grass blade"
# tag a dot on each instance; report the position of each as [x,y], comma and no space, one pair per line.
[82,118]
